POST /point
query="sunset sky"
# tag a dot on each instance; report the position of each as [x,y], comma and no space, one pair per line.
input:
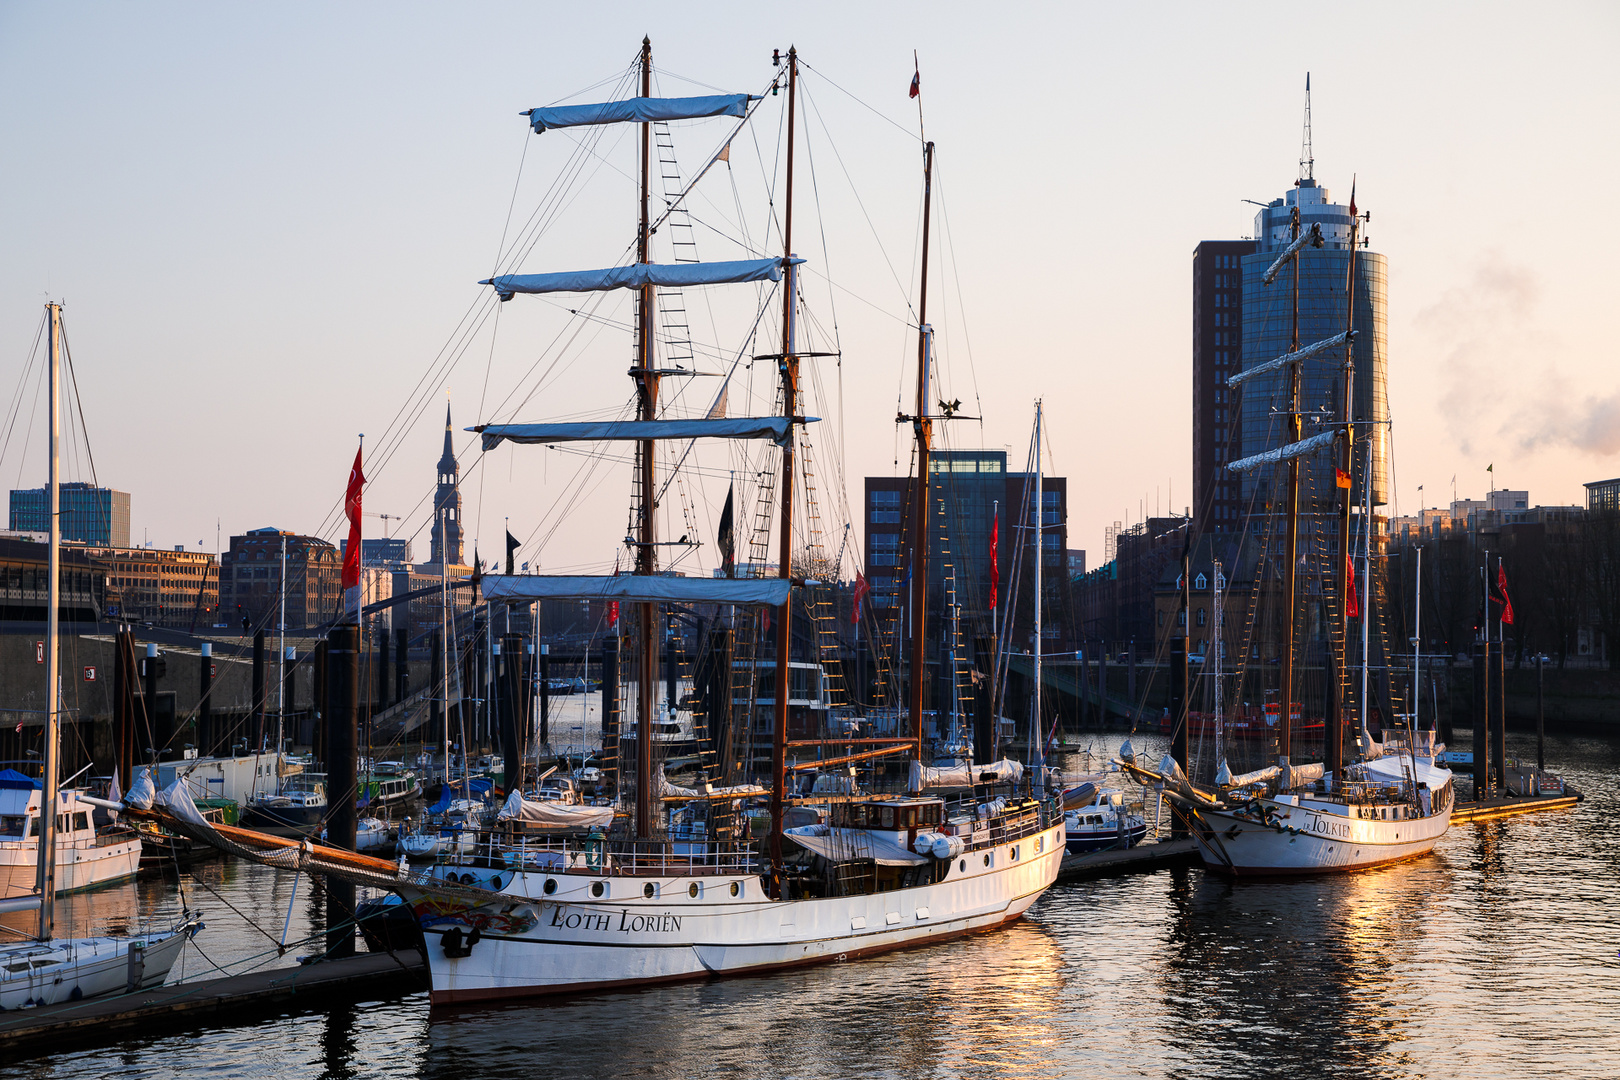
[267,223]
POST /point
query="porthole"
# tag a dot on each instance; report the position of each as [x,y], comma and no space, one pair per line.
[495,883]
[736,888]
[597,888]
[964,866]
[1040,844]
[649,890]
[987,859]
[1014,853]
[692,890]
[550,886]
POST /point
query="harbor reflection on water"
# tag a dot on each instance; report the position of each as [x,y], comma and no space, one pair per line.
[1495,957]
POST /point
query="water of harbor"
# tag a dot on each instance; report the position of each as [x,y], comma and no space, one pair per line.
[1498,956]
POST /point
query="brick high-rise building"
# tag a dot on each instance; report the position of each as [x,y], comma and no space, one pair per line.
[1217,351]
[250,580]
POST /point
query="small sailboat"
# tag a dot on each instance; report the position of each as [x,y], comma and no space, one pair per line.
[46,969]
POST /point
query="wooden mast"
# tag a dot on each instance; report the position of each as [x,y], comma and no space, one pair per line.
[1333,749]
[647,391]
[923,426]
[1285,718]
[53,649]
[788,364]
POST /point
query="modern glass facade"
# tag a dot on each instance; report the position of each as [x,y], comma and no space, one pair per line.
[1268,332]
[90,515]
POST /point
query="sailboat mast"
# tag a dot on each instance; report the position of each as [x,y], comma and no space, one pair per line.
[647,389]
[789,364]
[53,647]
[925,438]
[1285,719]
[1037,723]
[1333,749]
[444,639]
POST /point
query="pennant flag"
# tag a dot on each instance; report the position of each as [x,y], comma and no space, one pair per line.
[995,565]
[862,587]
[1341,477]
[512,545]
[613,613]
[1352,605]
[727,536]
[1501,588]
[916,78]
[351,554]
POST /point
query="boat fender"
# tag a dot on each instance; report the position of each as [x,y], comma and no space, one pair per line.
[946,848]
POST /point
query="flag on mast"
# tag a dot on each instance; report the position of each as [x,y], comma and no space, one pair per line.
[512,544]
[1501,588]
[1352,606]
[351,553]
[916,78]
[862,587]
[727,537]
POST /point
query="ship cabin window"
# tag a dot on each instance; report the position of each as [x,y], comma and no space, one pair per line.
[13,826]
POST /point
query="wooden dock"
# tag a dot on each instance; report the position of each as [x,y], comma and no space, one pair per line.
[1143,857]
[1508,805]
[192,1005]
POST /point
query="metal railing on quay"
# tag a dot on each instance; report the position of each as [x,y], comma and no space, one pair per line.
[612,857]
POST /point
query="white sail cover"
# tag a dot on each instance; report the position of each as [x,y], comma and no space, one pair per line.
[924,777]
[554,815]
[664,789]
[1283,453]
[634,276]
[637,110]
[1259,776]
[1288,358]
[635,588]
[774,428]
[842,845]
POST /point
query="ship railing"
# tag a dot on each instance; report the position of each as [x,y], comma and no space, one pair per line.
[611,857]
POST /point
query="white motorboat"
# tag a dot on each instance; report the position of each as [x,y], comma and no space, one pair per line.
[86,857]
[69,969]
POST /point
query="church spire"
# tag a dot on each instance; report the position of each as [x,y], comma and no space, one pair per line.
[447,461]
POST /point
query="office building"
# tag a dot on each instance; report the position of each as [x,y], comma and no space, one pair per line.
[90,515]
[250,580]
[174,588]
[1217,344]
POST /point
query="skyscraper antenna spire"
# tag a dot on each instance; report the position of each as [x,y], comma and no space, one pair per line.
[1307,161]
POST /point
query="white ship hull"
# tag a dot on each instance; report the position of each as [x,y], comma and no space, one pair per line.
[1310,840]
[80,864]
[697,926]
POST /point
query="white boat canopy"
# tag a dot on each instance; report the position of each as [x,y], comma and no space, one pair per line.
[1283,453]
[635,275]
[637,588]
[637,110]
[550,815]
[1288,358]
[843,845]
[774,428]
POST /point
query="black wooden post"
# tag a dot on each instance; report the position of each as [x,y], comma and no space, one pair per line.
[205,703]
[1178,721]
[343,669]
[1499,716]
[1541,729]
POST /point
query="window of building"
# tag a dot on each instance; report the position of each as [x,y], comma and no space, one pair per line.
[1201,617]
[885,498]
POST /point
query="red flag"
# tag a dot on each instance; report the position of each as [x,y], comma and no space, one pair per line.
[613,613]
[1501,587]
[1341,478]
[1352,606]
[862,587]
[995,565]
[916,81]
[351,555]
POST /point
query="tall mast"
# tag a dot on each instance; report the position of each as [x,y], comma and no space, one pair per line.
[1037,723]
[444,637]
[1333,750]
[281,649]
[53,649]
[924,429]
[789,365]
[647,390]
[1285,719]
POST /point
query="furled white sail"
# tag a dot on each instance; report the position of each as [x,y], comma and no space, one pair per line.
[634,276]
[635,588]
[638,110]
[1288,358]
[774,428]
[552,815]
[1283,453]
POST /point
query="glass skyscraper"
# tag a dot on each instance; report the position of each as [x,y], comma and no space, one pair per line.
[90,515]
[1267,333]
